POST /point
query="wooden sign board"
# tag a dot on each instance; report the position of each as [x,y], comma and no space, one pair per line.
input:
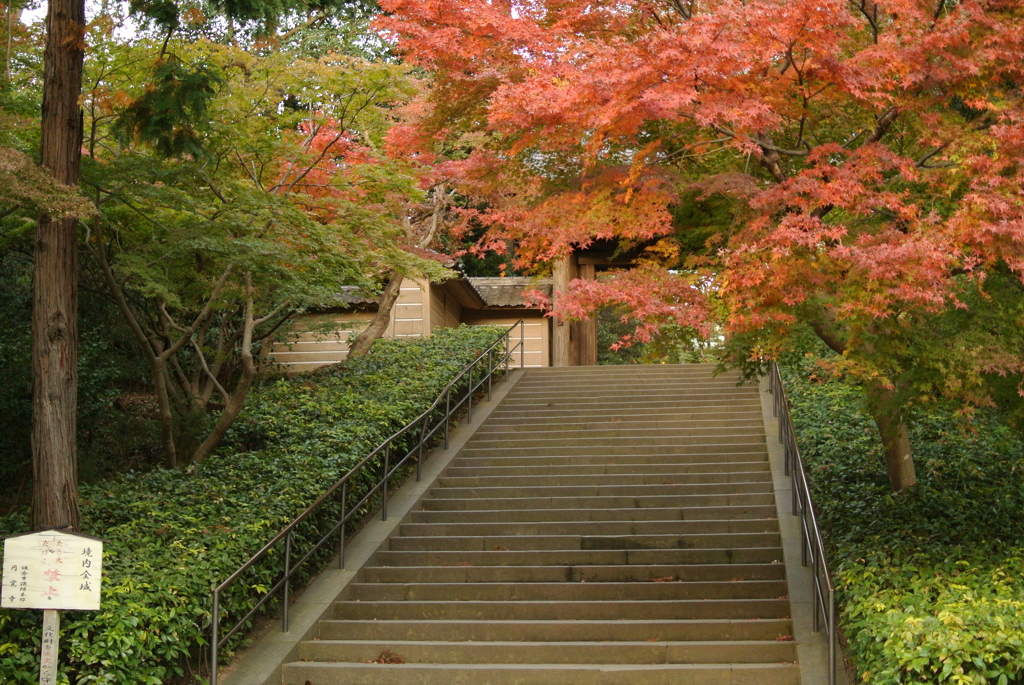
[52,570]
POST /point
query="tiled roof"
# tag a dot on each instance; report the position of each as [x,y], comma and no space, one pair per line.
[351,294]
[508,291]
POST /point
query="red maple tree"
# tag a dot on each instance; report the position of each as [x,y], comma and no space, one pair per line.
[871,152]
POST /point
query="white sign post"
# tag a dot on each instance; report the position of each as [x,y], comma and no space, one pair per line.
[52,570]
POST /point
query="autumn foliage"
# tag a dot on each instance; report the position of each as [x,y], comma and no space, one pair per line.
[871,152]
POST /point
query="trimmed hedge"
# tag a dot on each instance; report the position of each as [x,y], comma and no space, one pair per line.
[174,534]
[930,583]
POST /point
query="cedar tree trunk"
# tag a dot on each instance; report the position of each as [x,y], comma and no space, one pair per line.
[55,279]
[361,344]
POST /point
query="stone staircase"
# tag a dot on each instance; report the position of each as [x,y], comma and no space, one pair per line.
[606,525]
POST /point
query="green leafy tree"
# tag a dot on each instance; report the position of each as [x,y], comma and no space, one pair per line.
[213,237]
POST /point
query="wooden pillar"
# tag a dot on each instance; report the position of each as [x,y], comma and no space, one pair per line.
[586,340]
[562,352]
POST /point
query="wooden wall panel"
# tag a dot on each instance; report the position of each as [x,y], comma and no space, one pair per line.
[309,349]
[538,337]
[445,312]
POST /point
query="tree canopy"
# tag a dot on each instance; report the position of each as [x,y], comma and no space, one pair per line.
[870,153]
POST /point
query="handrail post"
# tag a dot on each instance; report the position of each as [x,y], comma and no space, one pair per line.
[816,565]
[344,513]
[384,487]
[490,371]
[423,438]
[522,344]
[287,580]
[507,354]
[215,637]
[832,636]
[469,394]
[447,413]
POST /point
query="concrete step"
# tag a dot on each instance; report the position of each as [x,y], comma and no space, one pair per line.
[529,462]
[603,479]
[569,542]
[639,427]
[765,498]
[617,439]
[611,428]
[696,470]
[634,371]
[675,527]
[464,652]
[600,490]
[624,412]
[676,450]
[592,610]
[539,414]
[599,405]
[627,514]
[590,557]
[634,573]
[320,673]
[561,631]
[562,591]
[628,395]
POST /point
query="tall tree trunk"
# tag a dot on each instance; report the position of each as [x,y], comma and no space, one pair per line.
[55,279]
[361,344]
[899,458]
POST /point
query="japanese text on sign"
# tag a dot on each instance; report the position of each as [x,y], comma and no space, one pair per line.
[52,570]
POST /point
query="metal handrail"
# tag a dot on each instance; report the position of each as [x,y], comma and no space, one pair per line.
[381,458]
[812,544]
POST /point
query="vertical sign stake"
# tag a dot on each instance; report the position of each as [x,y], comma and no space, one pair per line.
[48,657]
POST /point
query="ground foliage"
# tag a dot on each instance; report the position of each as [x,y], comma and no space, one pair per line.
[930,582]
[173,534]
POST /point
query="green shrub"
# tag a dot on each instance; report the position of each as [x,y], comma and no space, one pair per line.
[930,583]
[173,535]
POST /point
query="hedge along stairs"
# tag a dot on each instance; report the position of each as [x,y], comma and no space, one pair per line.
[606,525]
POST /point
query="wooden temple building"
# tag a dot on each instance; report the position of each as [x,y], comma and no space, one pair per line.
[422,307]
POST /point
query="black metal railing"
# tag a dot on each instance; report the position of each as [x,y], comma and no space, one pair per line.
[380,466]
[813,546]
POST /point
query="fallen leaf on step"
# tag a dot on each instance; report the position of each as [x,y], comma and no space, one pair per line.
[784,638]
[654,639]
[388,657]
[666,579]
[499,548]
